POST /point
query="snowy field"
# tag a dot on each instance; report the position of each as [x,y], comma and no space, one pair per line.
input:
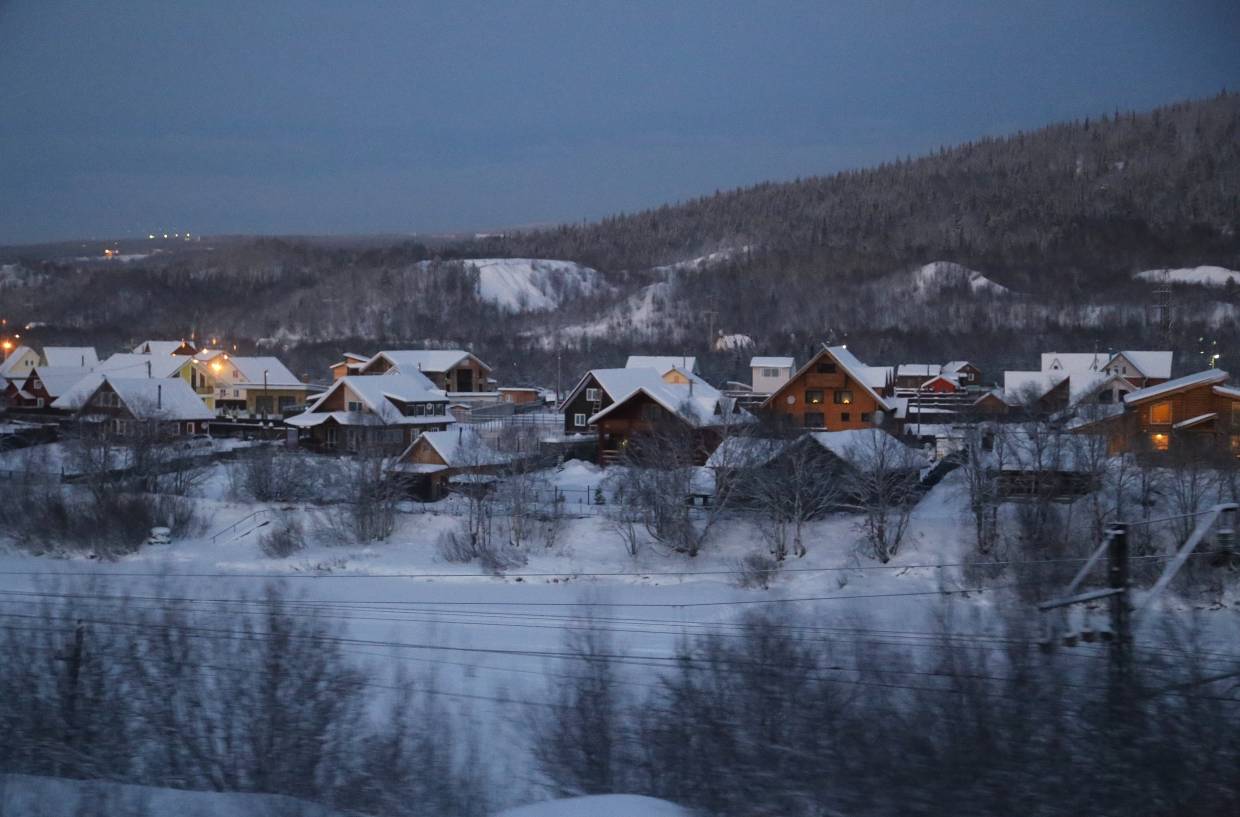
[493,641]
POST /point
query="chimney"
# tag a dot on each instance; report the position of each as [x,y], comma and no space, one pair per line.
[159,396]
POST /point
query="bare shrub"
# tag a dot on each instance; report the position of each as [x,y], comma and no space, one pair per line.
[755,571]
[284,537]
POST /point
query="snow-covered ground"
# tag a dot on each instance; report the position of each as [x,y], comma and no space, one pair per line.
[1204,276]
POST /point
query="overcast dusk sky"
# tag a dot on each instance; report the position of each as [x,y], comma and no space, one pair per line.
[121,118]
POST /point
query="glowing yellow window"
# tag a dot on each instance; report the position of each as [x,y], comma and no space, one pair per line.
[1160,441]
[1160,413]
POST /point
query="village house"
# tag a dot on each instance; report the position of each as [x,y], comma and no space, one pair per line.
[45,384]
[185,348]
[350,364]
[244,386]
[769,373]
[18,362]
[135,406]
[676,401]
[832,392]
[910,376]
[373,410]
[453,370]
[427,467]
[966,374]
[1195,413]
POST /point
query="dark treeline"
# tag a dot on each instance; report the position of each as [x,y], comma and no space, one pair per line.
[1061,216]
[767,715]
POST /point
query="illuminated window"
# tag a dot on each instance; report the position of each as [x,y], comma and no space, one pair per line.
[814,396]
[1160,413]
[1160,441]
[843,397]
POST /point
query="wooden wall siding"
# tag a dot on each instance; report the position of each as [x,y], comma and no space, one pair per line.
[479,377]
[833,413]
[630,421]
[336,400]
[1136,431]
[580,405]
[424,453]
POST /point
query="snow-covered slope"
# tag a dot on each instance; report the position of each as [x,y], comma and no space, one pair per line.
[599,805]
[1205,276]
[939,275]
[702,261]
[533,284]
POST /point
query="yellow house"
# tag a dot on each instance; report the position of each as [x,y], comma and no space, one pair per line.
[243,386]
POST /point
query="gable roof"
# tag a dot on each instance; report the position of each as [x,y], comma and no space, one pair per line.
[618,383]
[435,361]
[854,368]
[1207,377]
[374,391]
[662,363]
[127,364]
[57,380]
[918,369]
[1075,361]
[146,398]
[71,356]
[1016,384]
[252,368]
[462,446]
[954,366]
[10,365]
[1150,363]
[769,363]
[700,405]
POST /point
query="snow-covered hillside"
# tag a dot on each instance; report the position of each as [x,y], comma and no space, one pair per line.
[702,262]
[533,284]
[939,275]
[1204,276]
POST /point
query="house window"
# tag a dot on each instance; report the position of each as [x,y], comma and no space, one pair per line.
[814,396]
[825,368]
[1160,415]
[579,420]
[1160,441]
[38,403]
[843,397]
[770,372]
[815,419]
[592,395]
[867,417]
[650,412]
[354,405]
[846,416]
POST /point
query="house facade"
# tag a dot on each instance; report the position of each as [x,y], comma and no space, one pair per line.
[769,373]
[829,393]
[134,407]
[378,410]
[1197,412]
[452,370]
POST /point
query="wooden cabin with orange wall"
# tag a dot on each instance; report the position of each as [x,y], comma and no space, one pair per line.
[829,393]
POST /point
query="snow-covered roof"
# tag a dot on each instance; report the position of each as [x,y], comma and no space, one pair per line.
[57,380]
[917,369]
[435,361]
[1207,377]
[147,398]
[746,452]
[954,366]
[858,371]
[852,444]
[947,377]
[700,405]
[1016,385]
[1227,391]
[1074,361]
[462,447]
[1084,385]
[1196,421]
[1151,364]
[127,364]
[662,363]
[376,393]
[877,377]
[12,362]
[252,368]
[770,363]
[70,356]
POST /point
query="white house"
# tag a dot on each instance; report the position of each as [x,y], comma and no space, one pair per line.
[769,373]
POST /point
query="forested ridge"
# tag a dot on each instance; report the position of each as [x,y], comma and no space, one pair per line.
[1061,217]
